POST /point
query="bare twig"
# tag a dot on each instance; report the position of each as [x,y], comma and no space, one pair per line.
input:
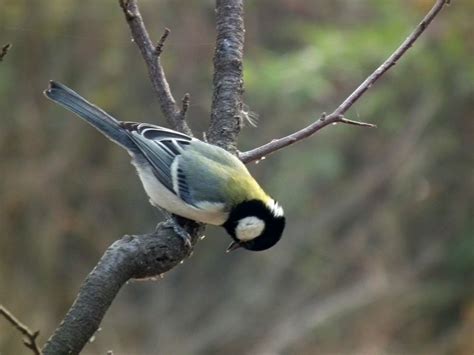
[356,123]
[30,341]
[185,105]
[228,82]
[142,256]
[4,50]
[161,42]
[338,114]
[151,56]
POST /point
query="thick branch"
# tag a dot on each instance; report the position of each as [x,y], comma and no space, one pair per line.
[4,50]
[141,256]
[30,341]
[151,54]
[338,115]
[228,81]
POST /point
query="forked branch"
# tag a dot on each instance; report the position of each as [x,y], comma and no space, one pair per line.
[151,55]
[30,336]
[337,116]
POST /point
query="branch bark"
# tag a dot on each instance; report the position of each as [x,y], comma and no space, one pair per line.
[132,257]
[228,77]
[337,116]
[175,116]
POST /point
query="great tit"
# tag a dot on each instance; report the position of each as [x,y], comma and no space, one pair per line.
[188,177]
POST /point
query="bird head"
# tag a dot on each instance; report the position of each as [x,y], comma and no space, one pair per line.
[255,225]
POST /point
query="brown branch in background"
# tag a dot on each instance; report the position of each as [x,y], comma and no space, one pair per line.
[30,337]
[338,115]
[228,81]
[4,50]
[151,55]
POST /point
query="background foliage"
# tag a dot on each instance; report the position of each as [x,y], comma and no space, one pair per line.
[378,256]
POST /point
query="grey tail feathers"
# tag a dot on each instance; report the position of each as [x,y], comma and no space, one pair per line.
[90,113]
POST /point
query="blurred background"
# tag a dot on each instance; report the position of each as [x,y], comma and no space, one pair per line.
[378,255]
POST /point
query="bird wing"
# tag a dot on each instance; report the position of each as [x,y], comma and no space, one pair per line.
[162,148]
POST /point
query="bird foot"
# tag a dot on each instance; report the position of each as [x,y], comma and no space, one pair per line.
[182,233]
[173,222]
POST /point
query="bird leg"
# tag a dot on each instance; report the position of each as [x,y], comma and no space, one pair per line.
[177,228]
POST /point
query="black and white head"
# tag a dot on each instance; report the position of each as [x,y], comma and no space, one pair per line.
[255,225]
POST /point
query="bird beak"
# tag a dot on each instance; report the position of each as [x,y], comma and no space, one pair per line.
[233,246]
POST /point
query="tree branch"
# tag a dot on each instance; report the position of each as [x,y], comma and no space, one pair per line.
[30,341]
[152,254]
[4,50]
[151,55]
[141,256]
[228,81]
[337,116]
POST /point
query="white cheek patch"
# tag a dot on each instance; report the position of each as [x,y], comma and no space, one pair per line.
[249,228]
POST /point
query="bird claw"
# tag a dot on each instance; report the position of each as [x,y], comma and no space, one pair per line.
[176,227]
[182,233]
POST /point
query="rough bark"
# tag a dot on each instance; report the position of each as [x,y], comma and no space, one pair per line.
[228,75]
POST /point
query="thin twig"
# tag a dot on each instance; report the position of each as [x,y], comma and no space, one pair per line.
[338,114]
[161,42]
[30,341]
[4,50]
[356,123]
[151,55]
[185,105]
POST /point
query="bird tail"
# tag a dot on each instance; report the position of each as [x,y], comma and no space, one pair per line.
[90,113]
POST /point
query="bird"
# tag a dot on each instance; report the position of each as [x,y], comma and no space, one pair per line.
[188,177]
